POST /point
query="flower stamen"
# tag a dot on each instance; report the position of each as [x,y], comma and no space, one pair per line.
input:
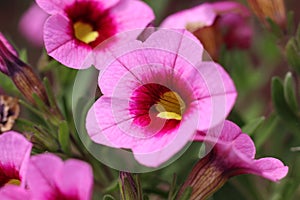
[84,32]
[170,106]
[14,182]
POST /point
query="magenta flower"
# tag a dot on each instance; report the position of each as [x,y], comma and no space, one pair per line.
[14,156]
[50,178]
[231,153]
[76,27]
[157,93]
[240,158]
[215,24]
[32,23]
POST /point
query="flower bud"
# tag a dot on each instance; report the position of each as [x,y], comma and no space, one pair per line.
[273,9]
[205,178]
[21,74]
[129,186]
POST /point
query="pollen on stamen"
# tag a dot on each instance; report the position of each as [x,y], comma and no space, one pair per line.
[84,32]
[170,106]
[14,182]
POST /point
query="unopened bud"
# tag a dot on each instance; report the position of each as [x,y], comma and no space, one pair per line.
[205,178]
[21,74]
[273,9]
[129,186]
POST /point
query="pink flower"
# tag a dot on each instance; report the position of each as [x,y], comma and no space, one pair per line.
[14,156]
[231,153]
[32,23]
[50,178]
[235,152]
[215,24]
[157,93]
[76,27]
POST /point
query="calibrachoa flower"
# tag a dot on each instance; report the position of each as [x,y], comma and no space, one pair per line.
[232,154]
[157,93]
[32,23]
[50,178]
[14,156]
[76,27]
[215,24]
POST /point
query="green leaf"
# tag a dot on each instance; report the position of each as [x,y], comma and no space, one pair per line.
[108,197]
[298,33]
[292,51]
[290,22]
[49,92]
[173,189]
[281,106]
[251,126]
[64,137]
[186,195]
[263,132]
[289,92]
[23,55]
[275,28]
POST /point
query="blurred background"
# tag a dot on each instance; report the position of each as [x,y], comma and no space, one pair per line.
[12,10]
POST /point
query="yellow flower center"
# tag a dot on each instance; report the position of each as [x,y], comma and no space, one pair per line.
[84,32]
[14,182]
[170,106]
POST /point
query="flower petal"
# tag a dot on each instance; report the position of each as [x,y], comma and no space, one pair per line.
[75,179]
[195,18]
[42,171]
[61,45]
[12,192]
[269,168]
[230,7]
[121,134]
[54,6]
[32,24]
[14,155]
[132,14]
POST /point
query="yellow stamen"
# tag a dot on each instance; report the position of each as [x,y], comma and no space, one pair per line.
[84,32]
[14,182]
[170,106]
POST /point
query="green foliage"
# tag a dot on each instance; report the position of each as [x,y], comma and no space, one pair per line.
[292,51]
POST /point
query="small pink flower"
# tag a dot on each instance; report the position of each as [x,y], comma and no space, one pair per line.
[231,153]
[76,27]
[14,156]
[50,178]
[215,24]
[32,23]
[157,93]
[235,152]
